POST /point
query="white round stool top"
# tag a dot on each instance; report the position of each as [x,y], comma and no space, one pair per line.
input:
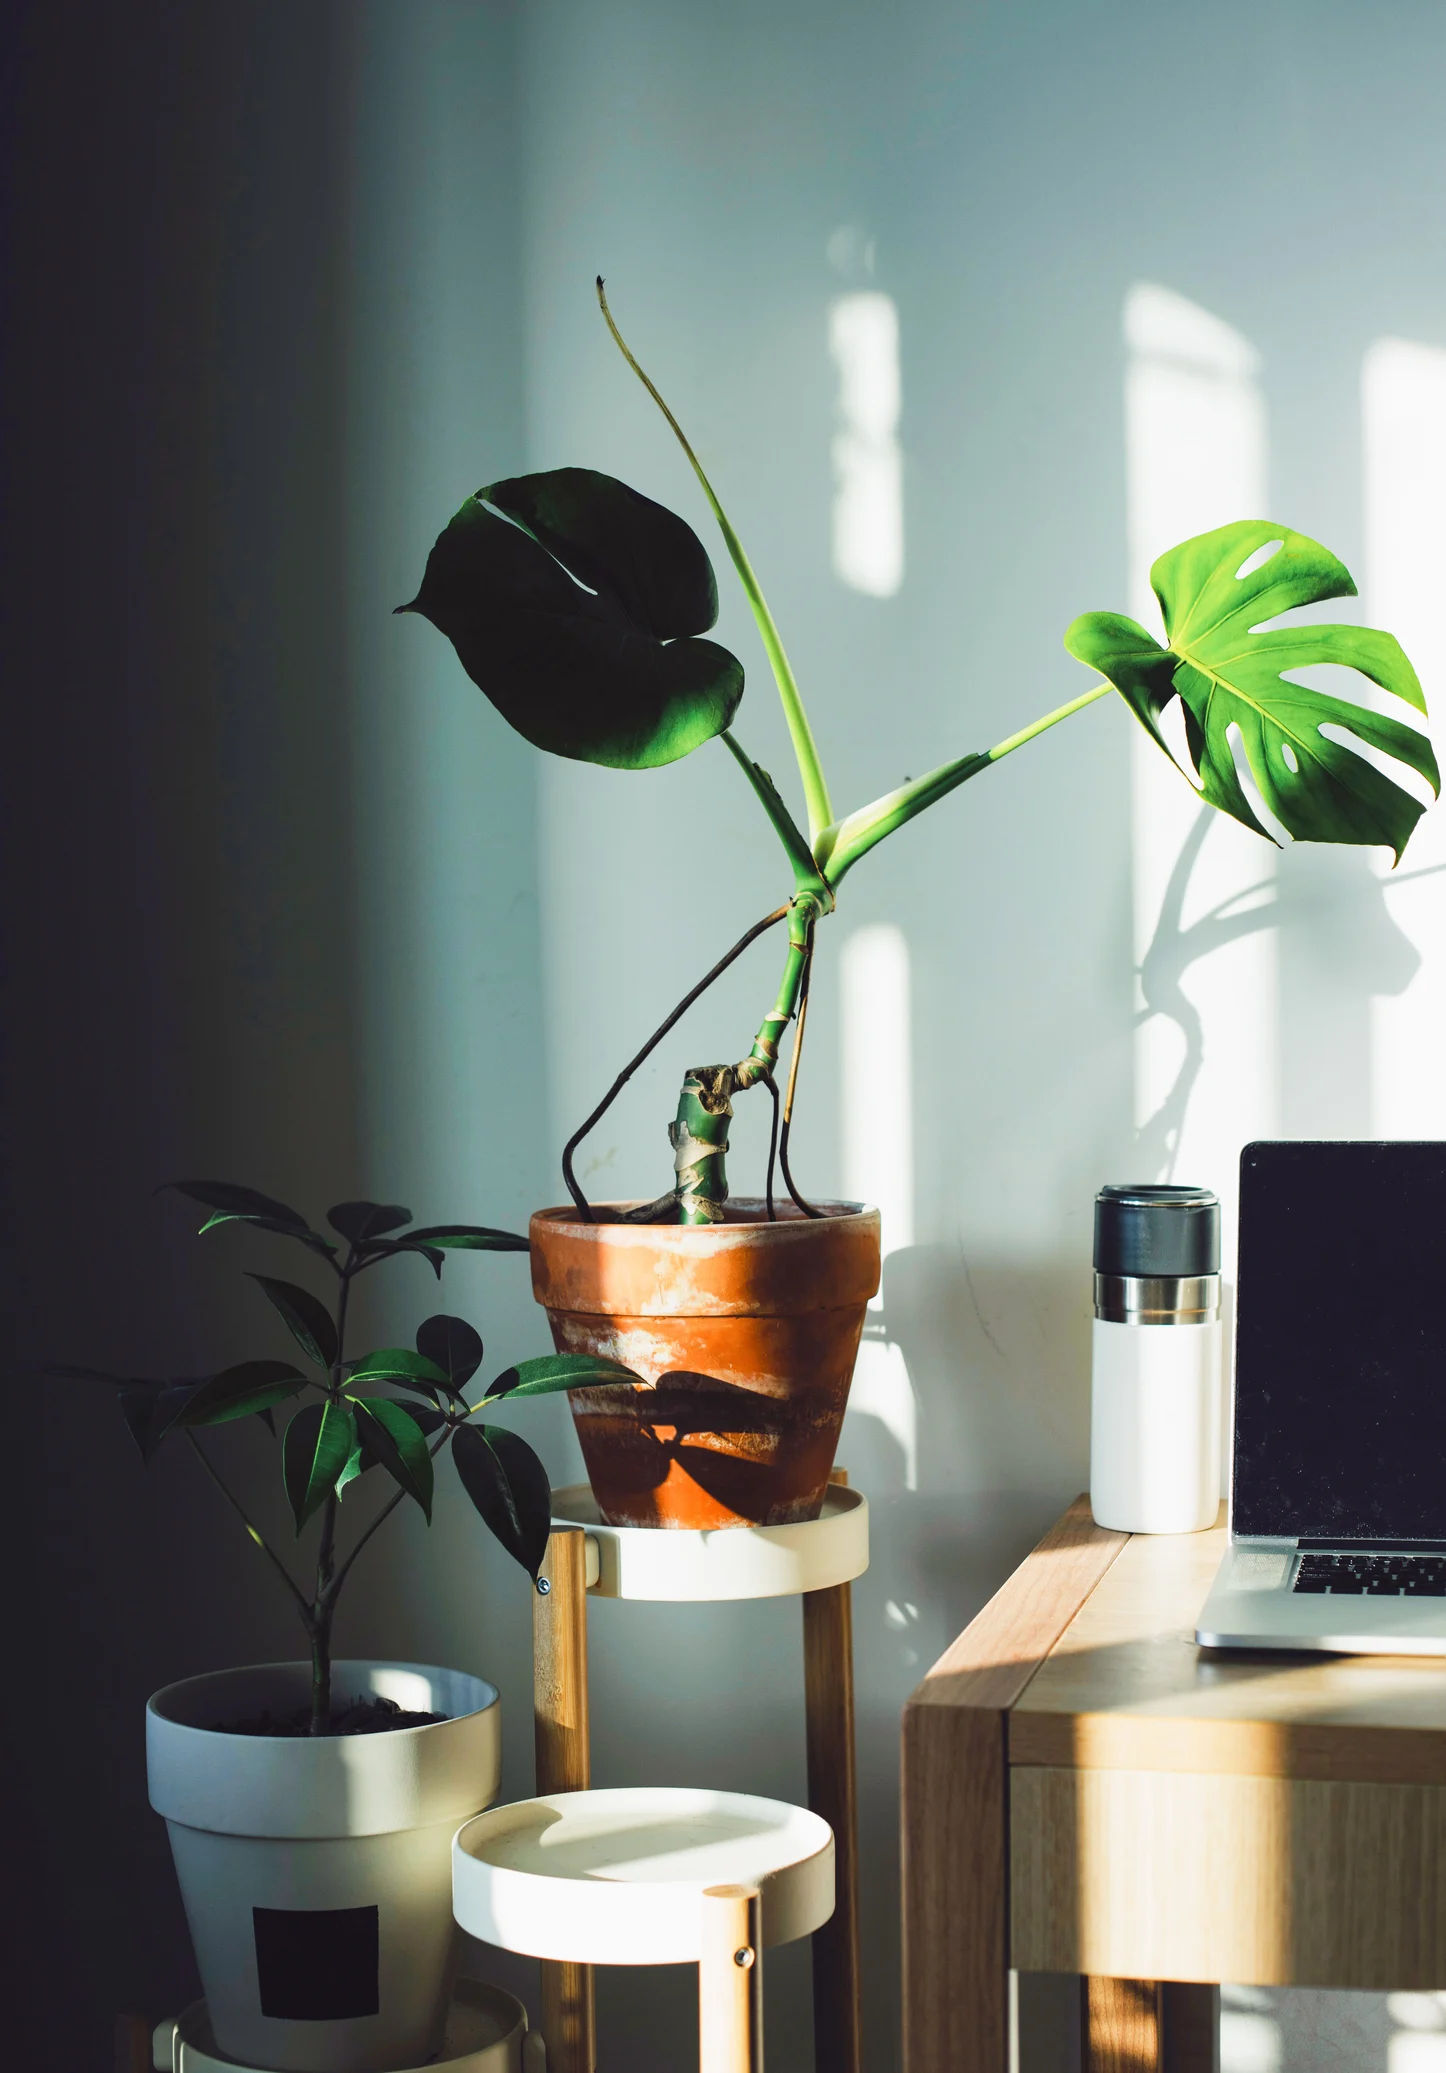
[486,2033]
[680,1564]
[615,1877]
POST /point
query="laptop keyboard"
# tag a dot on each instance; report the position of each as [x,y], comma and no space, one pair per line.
[1373,1576]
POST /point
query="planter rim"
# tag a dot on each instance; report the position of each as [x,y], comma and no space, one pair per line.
[296,1787]
[744,1269]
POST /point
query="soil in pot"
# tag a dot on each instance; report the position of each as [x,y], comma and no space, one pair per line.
[367,1716]
[746,1332]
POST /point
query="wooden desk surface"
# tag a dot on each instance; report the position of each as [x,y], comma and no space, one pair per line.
[1124,1687]
[1084,1790]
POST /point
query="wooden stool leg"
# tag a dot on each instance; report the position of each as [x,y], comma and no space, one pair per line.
[828,1683]
[133,2043]
[730,1982]
[1192,2027]
[564,1764]
[1122,2030]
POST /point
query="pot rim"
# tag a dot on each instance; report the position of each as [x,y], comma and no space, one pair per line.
[156,1704]
[790,1222]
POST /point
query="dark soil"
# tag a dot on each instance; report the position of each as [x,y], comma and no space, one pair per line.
[352,1717]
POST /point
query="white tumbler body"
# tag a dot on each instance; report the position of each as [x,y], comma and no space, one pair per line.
[1155,1426]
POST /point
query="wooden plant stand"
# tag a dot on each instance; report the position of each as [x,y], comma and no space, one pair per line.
[816,1562]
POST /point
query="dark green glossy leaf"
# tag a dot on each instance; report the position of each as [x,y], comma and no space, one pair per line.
[470,1238]
[386,1248]
[252,1385]
[553,1373]
[306,1318]
[310,1239]
[359,1222]
[151,1410]
[575,615]
[508,1485]
[452,1345]
[396,1439]
[234,1201]
[319,1443]
[1229,676]
[398,1364]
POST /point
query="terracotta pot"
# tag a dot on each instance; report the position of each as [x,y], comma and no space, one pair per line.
[747,1333]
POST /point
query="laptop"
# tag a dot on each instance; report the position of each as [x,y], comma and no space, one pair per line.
[1338,1497]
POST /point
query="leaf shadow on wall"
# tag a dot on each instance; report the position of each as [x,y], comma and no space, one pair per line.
[1331,908]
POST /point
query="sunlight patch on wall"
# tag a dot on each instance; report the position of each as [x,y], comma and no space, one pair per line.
[1206,1053]
[878,1153]
[868,464]
[1403,425]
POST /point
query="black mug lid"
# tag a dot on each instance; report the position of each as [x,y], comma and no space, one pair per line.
[1152,1229]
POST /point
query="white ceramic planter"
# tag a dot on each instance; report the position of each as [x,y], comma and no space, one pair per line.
[317,1874]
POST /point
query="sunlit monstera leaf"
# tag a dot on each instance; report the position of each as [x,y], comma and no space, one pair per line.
[578,611]
[1213,591]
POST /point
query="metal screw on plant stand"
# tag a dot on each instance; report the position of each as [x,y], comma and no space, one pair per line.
[543,1587]
[743,1957]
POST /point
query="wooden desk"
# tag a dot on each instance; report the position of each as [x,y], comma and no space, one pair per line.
[1086,1791]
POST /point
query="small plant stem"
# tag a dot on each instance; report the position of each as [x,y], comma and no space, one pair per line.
[1061,712]
[323,1608]
[761,1060]
[810,769]
[807,1207]
[275,1560]
[385,1513]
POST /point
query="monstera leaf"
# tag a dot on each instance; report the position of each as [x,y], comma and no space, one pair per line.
[576,612]
[1226,675]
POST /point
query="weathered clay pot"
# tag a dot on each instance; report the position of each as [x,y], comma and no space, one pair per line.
[747,1333]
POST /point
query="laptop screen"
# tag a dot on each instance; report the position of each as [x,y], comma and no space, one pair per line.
[1340,1375]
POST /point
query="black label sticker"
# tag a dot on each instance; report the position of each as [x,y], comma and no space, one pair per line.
[318,1964]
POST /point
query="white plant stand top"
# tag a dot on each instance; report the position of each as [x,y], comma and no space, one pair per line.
[618,1877]
[687,1567]
[486,2033]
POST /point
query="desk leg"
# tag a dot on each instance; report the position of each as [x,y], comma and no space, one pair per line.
[564,1764]
[1149,2026]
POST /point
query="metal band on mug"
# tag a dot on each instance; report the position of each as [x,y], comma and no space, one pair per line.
[1157,1299]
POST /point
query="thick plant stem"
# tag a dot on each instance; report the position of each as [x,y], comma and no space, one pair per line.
[763,1057]
[805,749]
[699,1137]
[322,1617]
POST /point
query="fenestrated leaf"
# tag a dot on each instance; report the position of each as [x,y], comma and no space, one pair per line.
[1227,675]
[399,1364]
[469,1238]
[252,1385]
[396,1439]
[452,1345]
[306,1318]
[577,614]
[552,1373]
[319,1443]
[360,1221]
[233,1201]
[509,1486]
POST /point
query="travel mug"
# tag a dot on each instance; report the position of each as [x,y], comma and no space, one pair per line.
[1155,1389]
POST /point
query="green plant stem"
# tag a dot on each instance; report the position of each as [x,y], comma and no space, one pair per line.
[275,1560]
[839,848]
[385,1513]
[763,1057]
[810,769]
[807,877]
[324,1605]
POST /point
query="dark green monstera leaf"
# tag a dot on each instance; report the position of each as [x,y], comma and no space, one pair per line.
[577,613]
[1226,675]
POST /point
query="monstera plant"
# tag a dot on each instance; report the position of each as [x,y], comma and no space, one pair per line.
[581,609]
